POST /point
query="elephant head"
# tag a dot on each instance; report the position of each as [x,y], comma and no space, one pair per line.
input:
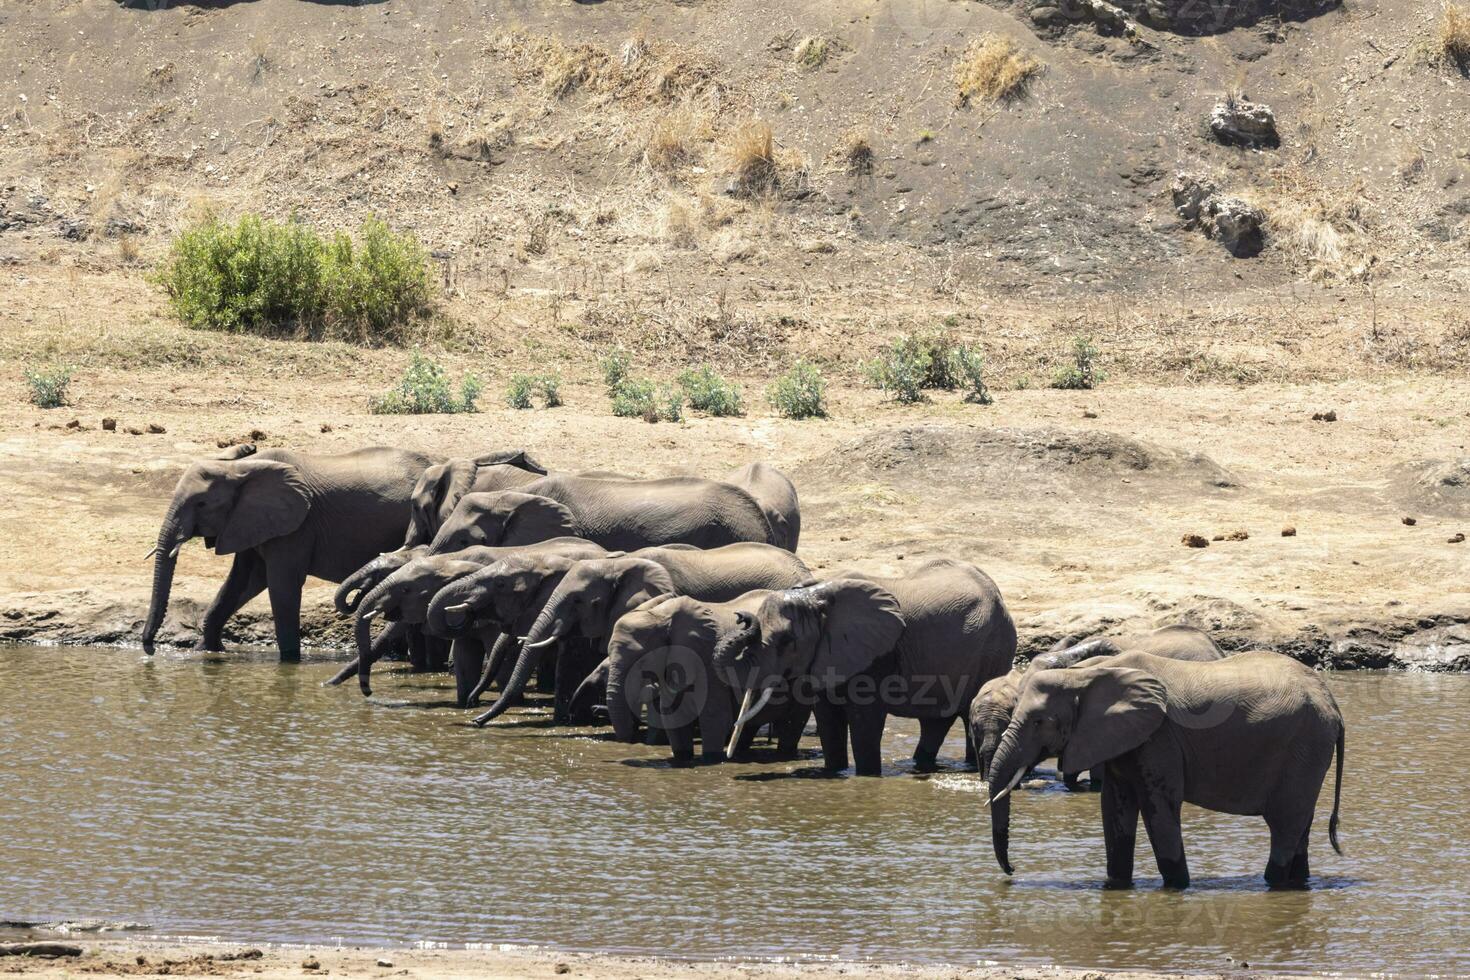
[403,597]
[831,632]
[507,594]
[1085,716]
[235,505]
[441,487]
[355,587]
[990,714]
[503,517]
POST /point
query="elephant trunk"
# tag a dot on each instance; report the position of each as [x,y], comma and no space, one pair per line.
[520,676]
[354,588]
[175,530]
[620,713]
[1006,770]
[365,654]
[450,613]
[552,623]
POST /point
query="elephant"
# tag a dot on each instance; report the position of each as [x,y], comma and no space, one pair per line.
[990,712]
[284,516]
[777,497]
[668,644]
[594,594]
[866,647]
[403,597]
[621,515]
[1252,734]
[440,488]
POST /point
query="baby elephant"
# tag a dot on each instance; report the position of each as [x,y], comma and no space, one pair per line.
[1252,734]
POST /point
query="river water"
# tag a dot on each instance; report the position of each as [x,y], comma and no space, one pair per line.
[230,796]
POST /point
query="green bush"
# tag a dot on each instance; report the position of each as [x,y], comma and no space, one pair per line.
[1083,372]
[800,393]
[634,398]
[523,386]
[283,279]
[708,392]
[48,385]
[426,390]
[928,360]
[615,367]
[671,401]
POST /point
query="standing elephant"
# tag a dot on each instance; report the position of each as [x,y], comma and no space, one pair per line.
[284,516]
[776,494]
[662,655]
[867,647]
[1252,734]
[622,515]
[990,712]
[594,594]
[403,598]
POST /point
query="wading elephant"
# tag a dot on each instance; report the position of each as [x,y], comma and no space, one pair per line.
[593,595]
[990,712]
[621,515]
[862,648]
[661,655]
[284,516]
[403,598]
[1252,734]
[776,495]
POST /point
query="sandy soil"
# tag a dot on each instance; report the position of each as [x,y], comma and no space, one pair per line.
[133,958]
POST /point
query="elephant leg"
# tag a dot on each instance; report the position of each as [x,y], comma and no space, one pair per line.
[789,729]
[1072,780]
[418,652]
[436,654]
[245,581]
[284,583]
[590,693]
[546,671]
[1120,830]
[865,724]
[1161,820]
[932,733]
[1300,868]
[1095,779]
[832,730]
[1288,842]
[469,663]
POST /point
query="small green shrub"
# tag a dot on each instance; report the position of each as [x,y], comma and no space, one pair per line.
[671,401]
[708,392]
[639,398]
[928,360]
[971,367]
[800,393]
[519,393]
[615,367]
[48,385]
[283,279]
[426,390]
[1083,372]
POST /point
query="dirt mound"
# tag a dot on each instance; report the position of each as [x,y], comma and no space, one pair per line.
[1435,486]
[939,458]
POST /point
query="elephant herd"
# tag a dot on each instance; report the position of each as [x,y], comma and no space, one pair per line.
[678,608]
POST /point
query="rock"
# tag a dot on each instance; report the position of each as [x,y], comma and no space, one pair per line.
[133,430]
[311,963]
[1190,192]
[1215,16]
[74,424]
[1288,532]
[109,425]
[1240,534]
[256,435]
[1047,15]
[1089,415]
[563,968]
[384,962]
[1409,521]
[1194,541]
[1328,416]
[326,427]
[1234,223]
[156,429]
[1236,121]
[1456,538]
[45,951]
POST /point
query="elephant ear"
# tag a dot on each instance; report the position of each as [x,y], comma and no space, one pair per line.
[535,518]
[640,575]
[271,501]
[518,458]
[861,621]
[434,498]
[1118,708]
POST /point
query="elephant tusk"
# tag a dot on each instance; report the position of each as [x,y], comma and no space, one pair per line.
[462,607]
[367,615]
[151,552]
[175,552]
[739,723]
[1015,780]
[539,644]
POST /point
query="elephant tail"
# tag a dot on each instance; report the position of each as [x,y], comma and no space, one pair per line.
[1337,790]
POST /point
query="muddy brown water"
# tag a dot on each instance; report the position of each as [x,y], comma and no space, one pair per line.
[234,797]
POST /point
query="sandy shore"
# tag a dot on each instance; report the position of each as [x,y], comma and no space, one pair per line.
[117,958]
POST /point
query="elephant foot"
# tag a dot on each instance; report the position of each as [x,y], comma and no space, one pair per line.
[684,758]
[926,761]
[207,645]
[714,756]
[1117,884]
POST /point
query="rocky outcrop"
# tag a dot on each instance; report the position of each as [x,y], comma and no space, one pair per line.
[1237,121]
[1240,227]
[1215,16]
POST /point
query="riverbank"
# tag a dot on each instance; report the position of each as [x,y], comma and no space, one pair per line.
[133,958]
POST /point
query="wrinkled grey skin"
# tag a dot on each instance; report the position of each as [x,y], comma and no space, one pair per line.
[1252,734]
[990,712]
[777,497]
[593,595]
[662,656]
[440,488]
[284,516]
[917,647]
[403,597]
[621,515]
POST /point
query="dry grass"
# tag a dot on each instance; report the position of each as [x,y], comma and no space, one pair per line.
[855,154]
[675,138]
[1452,43]
[749,152]
[812,52]
[993,69]
[1328,230]
[680,227]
